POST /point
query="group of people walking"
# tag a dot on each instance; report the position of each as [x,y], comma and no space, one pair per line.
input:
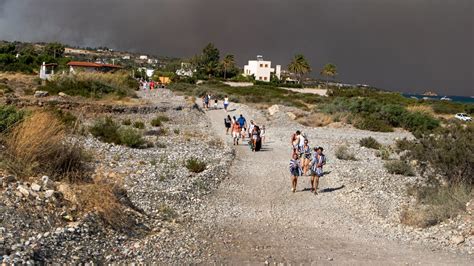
[305,160]
[207,102]
[240,129]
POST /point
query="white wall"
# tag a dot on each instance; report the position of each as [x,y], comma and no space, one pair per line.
[260,69]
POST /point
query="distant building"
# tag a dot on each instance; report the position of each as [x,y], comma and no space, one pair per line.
[126,57]
[76,66]
[261,69]
[185,70]
[143,57]
[47,71]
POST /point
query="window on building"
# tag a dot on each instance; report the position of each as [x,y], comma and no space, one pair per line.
[266,65]
[260,78]
[261,65]
[265,78]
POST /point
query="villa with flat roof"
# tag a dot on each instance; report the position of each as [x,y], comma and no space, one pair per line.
[261,69]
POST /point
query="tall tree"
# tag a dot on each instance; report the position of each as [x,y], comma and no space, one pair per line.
[228,63]
[329,71]
[299,66]
[55,50]
[210,60]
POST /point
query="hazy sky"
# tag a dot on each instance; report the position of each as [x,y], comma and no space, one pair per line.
[407,45]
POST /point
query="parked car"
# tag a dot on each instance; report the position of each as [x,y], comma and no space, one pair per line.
[463,117]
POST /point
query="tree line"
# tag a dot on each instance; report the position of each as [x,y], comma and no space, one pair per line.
[209,64]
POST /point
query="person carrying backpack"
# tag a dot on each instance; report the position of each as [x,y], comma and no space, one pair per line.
[243,125]
[317,163]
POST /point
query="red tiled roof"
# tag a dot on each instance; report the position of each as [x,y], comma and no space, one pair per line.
[90,64]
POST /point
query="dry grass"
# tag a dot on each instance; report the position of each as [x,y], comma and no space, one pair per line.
[421,109]
[436,204]
[38,146]
[104,197]
[315,120]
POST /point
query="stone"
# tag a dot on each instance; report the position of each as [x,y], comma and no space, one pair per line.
[9,179]
[291,115]
[24,191]
[41,94]
[35,187]
[273,109]
[470,207]
[62,94]
[48,193]
[457,240]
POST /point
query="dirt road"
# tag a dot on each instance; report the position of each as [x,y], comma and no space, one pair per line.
[254,218]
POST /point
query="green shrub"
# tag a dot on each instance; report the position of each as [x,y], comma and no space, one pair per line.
[131,138]
[127,122]
[369,142]
[139,125]
[4,88]
[195,165]
[372,123]
[445,107]
[419,123]
[399,168]
[163,118]
[156,122]
[106,130]
[449,151]
[176,131]
[403,144]
[343,153]
[9,116]
[384,153]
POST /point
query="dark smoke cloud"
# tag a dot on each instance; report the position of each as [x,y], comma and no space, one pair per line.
[409,45]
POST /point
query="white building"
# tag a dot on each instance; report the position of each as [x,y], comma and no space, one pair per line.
[143,57]
[185,70]
[47,71]
[261,69]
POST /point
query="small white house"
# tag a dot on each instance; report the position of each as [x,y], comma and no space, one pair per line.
[143,57]
[261,69]
[185,70]
[47,71]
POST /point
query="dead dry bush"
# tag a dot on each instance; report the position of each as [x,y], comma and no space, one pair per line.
[315,120]
[106,196]
[436,204]
[38,146]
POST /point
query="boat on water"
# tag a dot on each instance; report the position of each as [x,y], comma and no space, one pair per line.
[445,98]
[414,97]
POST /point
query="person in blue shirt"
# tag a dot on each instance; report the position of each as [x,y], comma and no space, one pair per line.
[243,125]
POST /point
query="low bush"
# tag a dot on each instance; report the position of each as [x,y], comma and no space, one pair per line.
[9,116]
[370,142]
[399,167]
[343,153]
[419,123]
[131,138]
[156,122]
[371,123]
[107,130]
[139,125]
[315,120]
[436,204]
[445,107]
[403,144]
[383,153]
[95,85]
[127,122]
[449,152]
[39,146]
[195,165]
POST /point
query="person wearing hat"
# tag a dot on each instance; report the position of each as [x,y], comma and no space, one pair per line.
[317,163]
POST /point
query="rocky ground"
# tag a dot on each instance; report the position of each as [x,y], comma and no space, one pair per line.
[239,209]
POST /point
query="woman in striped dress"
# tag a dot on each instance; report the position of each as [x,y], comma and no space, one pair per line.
[295,171]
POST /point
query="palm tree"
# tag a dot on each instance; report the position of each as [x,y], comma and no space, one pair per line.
[228,62]
[329,70]
[299,66]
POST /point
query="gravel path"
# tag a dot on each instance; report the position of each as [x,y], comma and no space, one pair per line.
[253,217]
